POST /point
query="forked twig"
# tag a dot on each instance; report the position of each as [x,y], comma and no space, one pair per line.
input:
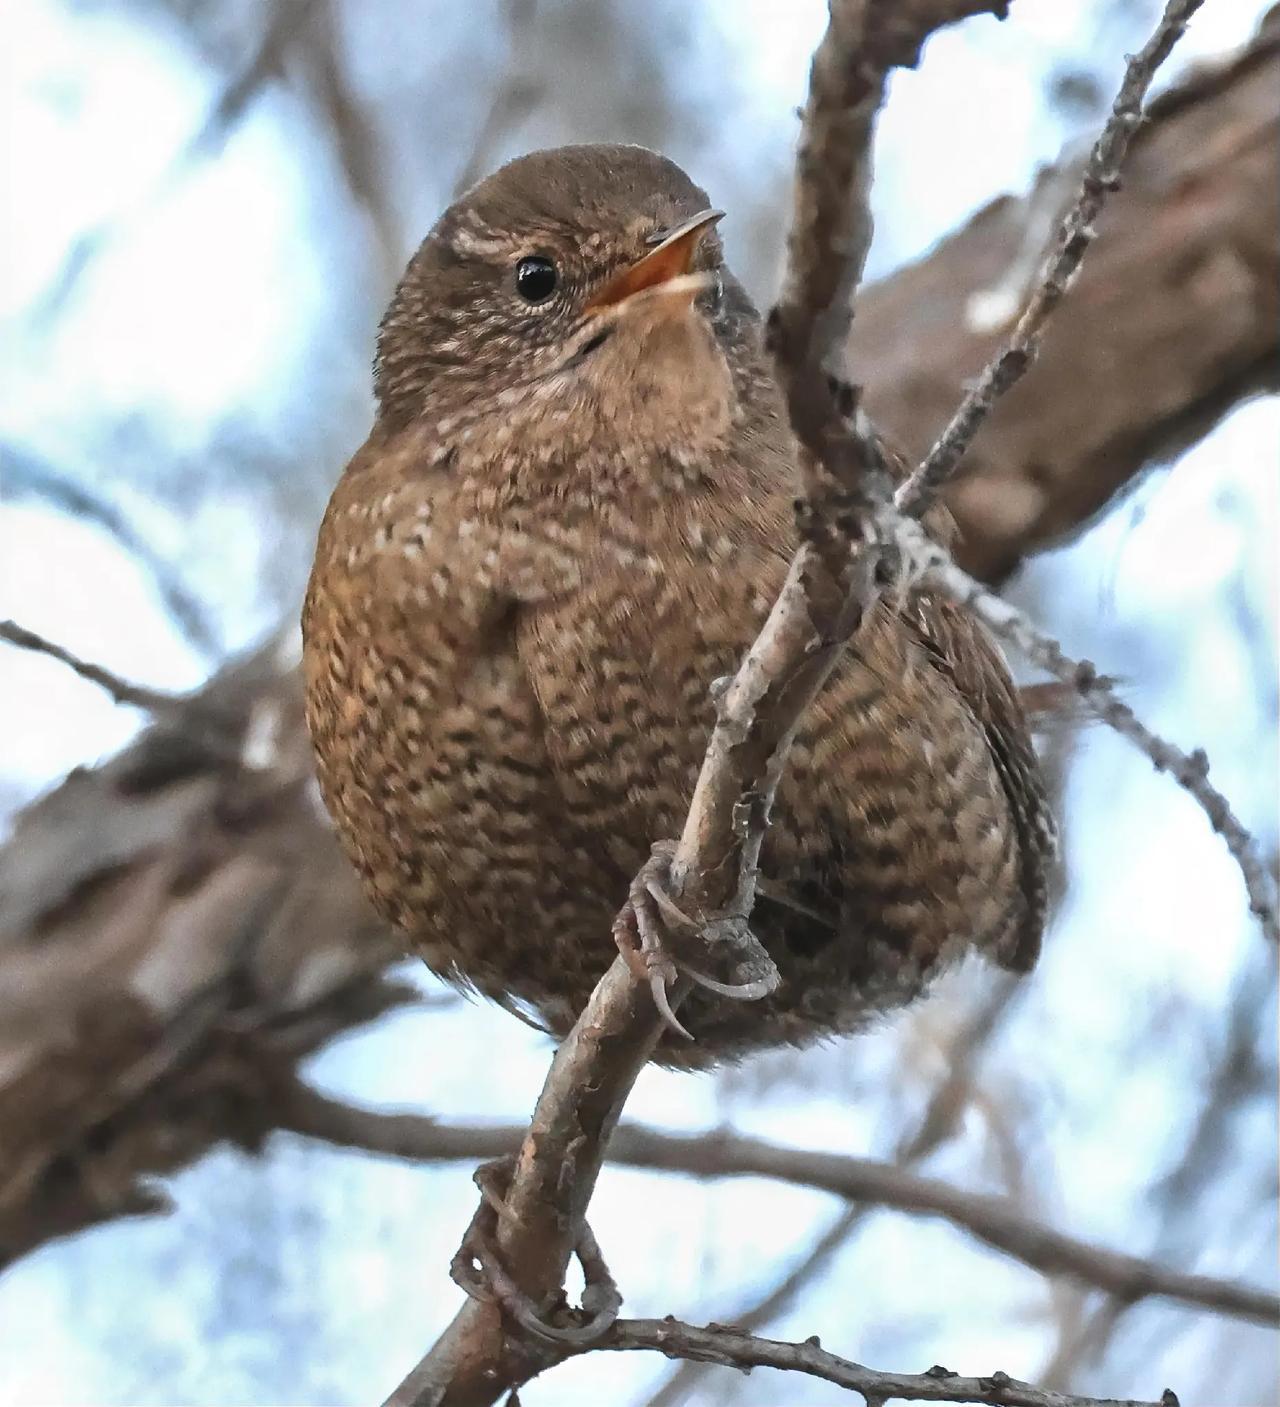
[1074,235]
[1189,769]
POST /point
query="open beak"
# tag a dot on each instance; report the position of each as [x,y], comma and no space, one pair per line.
[670,260]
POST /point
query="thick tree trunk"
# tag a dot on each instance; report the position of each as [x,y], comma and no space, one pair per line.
[177,927]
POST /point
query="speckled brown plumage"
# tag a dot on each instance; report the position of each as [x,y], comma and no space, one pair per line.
[569,518]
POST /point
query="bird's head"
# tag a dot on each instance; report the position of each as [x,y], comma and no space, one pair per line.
[584,284]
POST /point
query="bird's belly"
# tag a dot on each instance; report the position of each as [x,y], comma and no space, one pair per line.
[624,686]
[497,820]
[891,849]
[446,802]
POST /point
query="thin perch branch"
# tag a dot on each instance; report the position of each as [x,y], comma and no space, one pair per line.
[949,1100]
[1074,236]
[718,1343]
[192,713]
[23,474]
[1189,770]
[713,871]
[834,579]
[845,483]
[831,221]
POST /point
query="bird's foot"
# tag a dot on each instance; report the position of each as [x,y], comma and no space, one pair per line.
[651,917]
[477,1269]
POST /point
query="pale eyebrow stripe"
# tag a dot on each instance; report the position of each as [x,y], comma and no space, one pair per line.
[472,239]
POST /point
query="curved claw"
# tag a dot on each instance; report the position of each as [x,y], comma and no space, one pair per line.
[492,1284]
[650,914]
[498,1286]
[578,1334]
[751,991]
[600,1295]
[658,986]
[667,906]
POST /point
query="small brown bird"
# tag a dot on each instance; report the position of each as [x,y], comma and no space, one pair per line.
[571,516]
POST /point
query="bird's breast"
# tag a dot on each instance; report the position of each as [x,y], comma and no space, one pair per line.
[622,670]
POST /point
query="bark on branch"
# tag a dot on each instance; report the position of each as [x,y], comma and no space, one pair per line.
[720,1343]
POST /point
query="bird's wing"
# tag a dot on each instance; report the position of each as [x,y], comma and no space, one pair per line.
[959,646]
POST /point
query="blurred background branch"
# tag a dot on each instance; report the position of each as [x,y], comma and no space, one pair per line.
[865,1182]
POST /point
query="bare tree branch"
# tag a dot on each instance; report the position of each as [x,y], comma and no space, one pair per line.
[293,31]
[831,218]
[477,1358]
[264,62]
[717,1343]
[197,716]
[121,690]
[845,482]
[1236,1075]
[829,587]
[178,931]
[514,97]
[1075,234]
[1189,770]
[355,139]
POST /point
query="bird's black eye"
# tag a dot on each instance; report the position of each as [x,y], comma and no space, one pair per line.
[536,278]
